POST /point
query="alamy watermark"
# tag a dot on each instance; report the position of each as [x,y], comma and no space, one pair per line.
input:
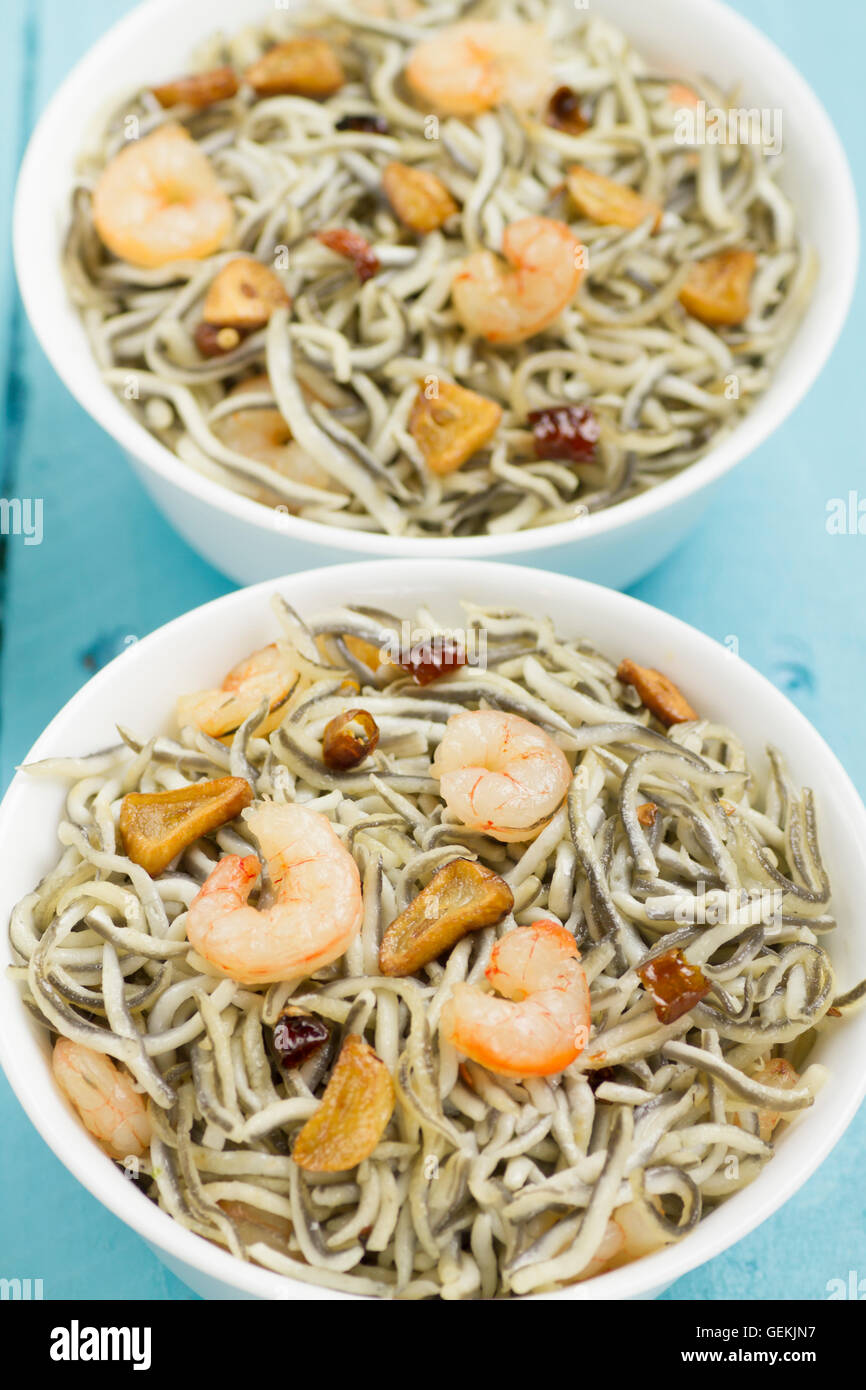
[700,124]
[846,516]
[449,647]
[853,1288]
[22,516]
[77,1343]
[21,1290]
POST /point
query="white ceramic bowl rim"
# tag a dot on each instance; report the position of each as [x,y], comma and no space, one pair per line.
[564,598]
[44,295]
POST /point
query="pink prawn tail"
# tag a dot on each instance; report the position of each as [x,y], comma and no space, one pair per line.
[226,888]
[555,932]
[232,876]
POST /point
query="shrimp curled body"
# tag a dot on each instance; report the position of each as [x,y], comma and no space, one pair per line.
[471,67]
[159,200]
[262,434]
[507,301]
[500,774]
[267,674]
[541,1024]
[317,907]
[110,1107]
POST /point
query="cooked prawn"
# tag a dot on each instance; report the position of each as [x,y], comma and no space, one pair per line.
[317,907]
[612,1245]
[472,67]
[261,433]
[631,1233]
[267,674]
[541,1022]
[507,301]
[778,1073]
[500,774]
[159,200]
[678,94]
[105,1097]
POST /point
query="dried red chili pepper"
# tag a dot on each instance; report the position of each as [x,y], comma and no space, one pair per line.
[564,113]
[348,738]
[214,341]
[354,247]
[599,1076]
[375,125]
[427,661]
[297,1036]
[674,983]
[565,432]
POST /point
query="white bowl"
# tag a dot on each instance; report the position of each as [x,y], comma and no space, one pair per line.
[252,542]
[139,689]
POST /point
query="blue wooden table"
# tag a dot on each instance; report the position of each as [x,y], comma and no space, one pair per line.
[763,570]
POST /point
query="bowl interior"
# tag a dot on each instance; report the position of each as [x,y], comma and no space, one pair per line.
[139,690]
[681,37]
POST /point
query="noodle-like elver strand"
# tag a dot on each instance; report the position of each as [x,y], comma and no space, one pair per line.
[345,362]
[481,1184]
